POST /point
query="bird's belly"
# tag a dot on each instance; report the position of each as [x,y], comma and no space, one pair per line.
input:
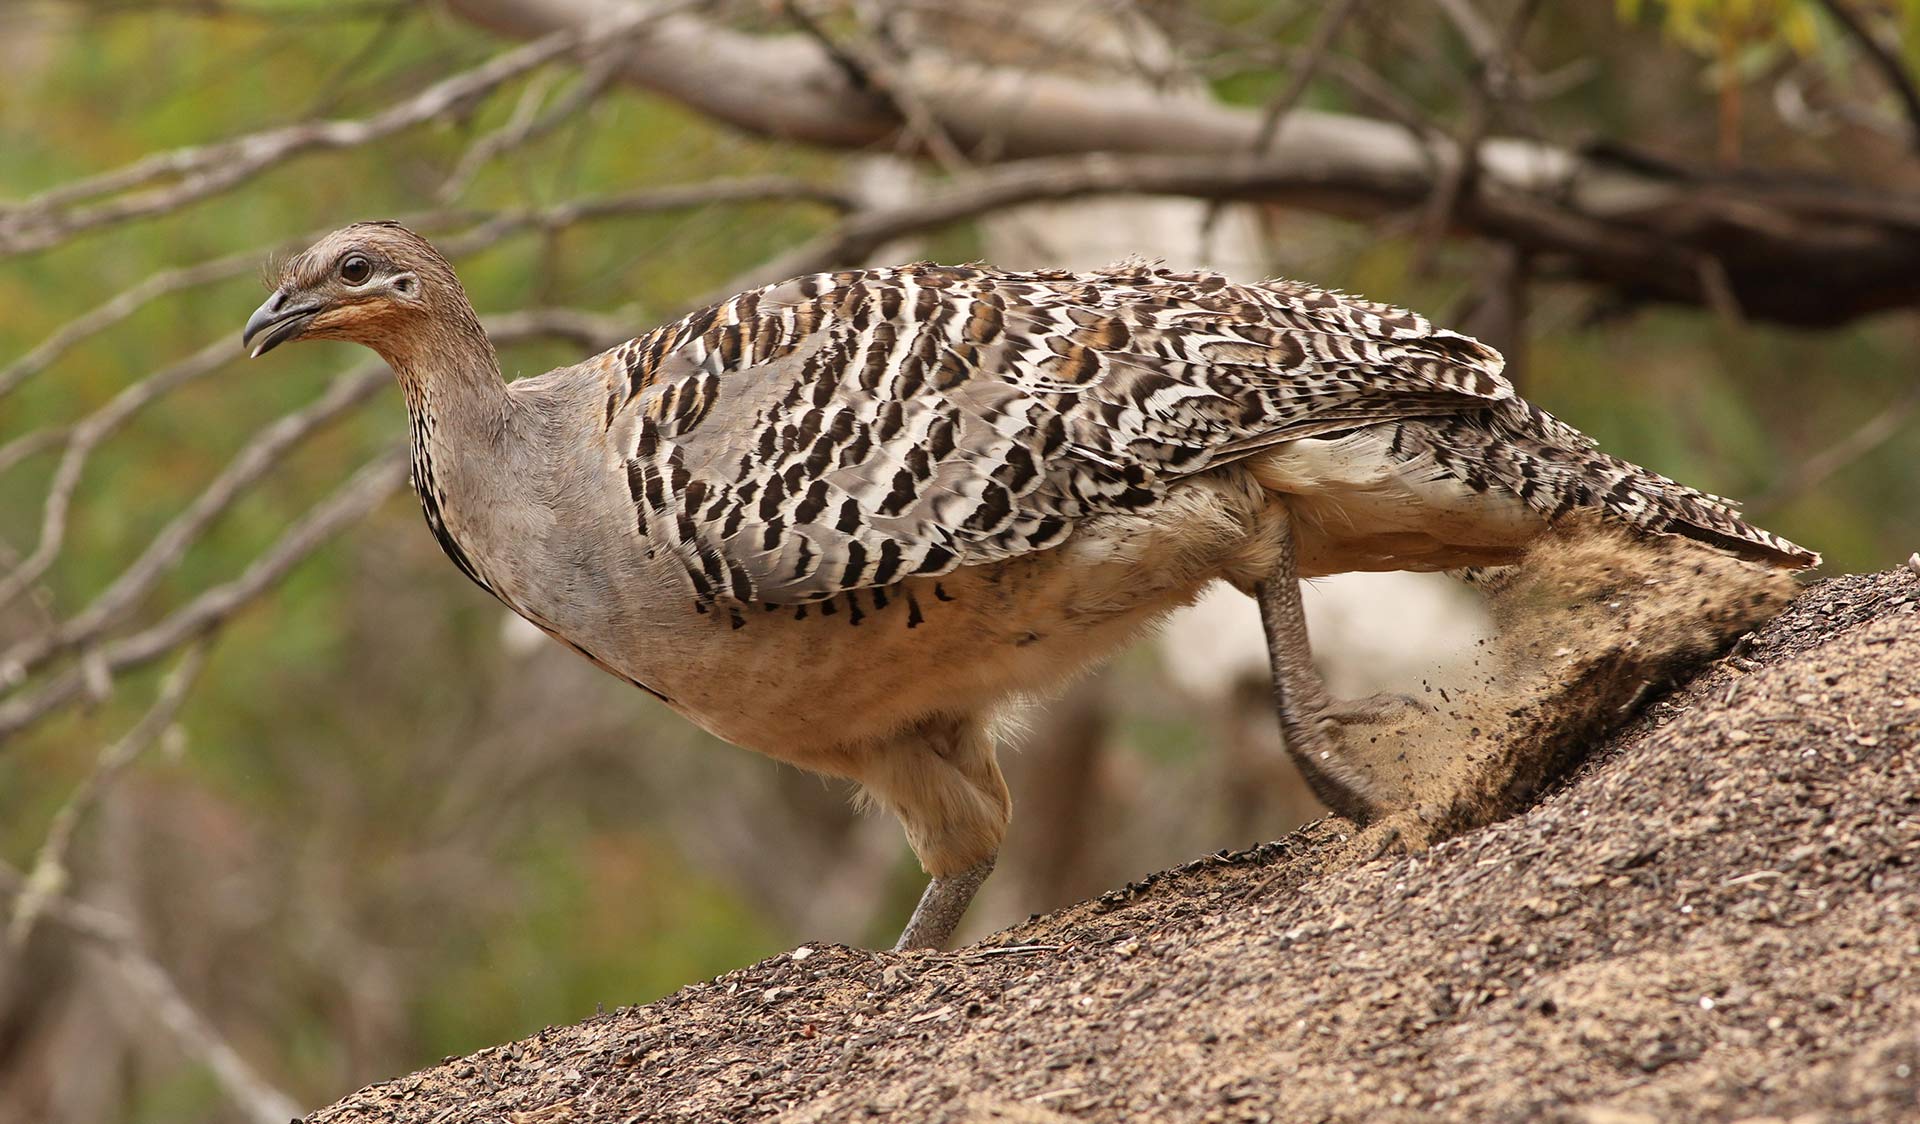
[807,687]
[1358,506]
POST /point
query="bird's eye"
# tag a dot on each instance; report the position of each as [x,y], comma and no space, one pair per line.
[355,270]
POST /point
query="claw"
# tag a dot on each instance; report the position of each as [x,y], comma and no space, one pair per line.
[1402,833]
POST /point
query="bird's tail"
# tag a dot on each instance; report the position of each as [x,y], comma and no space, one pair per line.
[1558,471]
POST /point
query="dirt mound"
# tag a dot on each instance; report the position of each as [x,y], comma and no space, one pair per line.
[1717,919]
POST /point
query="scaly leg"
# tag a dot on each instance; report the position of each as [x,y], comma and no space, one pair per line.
[941,907]
[940,777]
[1300,699]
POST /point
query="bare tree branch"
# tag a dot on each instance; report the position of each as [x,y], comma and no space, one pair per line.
[205,170]
[1305,68]
[121,306]
[260,455]
[161,996]
[1877,430]
[344,507]
[751,189]
[1648,255]
[490,229]
[270,445]
[48,879]
[1881,59]
[27,445]
[86,436]
[528,123]
[353,500]
[1315,53]
[1796,249]
[1492,85]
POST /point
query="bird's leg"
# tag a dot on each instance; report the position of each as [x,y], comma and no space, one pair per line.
[943,903]
[940,777]
[1306,711]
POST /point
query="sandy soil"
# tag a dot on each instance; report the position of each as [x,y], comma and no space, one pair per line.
[1716,919]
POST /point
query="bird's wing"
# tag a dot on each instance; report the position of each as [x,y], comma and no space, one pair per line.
[848,430]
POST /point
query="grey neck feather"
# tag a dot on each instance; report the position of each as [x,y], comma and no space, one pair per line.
[460,413]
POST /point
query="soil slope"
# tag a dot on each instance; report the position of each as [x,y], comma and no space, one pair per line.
[1718,918]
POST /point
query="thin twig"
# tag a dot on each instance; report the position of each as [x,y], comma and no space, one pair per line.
[339,11]
[83,438]
[866,62]
[81,442]
[1299,78]
[1479,34]
[48,879]
[1883,60]
[122,305]
[1868,436]
[1332,21]
[516,131]
[162,997]
[201,171]
[490,228]
[345,506]
[1243,177]
[169,281]
[258,457]
[29,444]
[353,500]
[1491,88]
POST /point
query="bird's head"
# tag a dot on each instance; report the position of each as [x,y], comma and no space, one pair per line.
[371,283]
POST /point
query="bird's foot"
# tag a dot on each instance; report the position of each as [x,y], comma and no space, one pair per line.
[1404,832]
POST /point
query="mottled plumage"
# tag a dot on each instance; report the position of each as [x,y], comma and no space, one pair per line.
[928,418]
[846,518]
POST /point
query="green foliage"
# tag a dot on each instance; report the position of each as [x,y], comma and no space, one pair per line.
[1706,25]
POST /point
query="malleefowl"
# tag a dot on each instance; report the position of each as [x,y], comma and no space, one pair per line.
[846,519]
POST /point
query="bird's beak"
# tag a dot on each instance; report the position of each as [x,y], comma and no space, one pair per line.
[276,322]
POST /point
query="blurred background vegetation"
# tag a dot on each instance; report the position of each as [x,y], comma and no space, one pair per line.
[381,825]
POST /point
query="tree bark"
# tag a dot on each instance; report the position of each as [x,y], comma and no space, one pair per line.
[1783,246]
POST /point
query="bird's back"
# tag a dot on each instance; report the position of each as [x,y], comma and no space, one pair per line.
[846,430]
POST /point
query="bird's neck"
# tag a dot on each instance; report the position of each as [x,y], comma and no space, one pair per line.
[449,373]
[461,419]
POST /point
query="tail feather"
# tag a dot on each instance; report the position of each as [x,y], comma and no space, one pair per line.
[1558,471]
